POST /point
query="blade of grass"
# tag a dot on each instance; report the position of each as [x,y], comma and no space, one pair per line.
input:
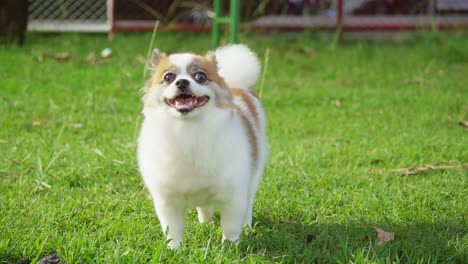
[148,54]
[265,68]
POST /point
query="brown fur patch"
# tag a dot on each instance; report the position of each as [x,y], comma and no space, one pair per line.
[250,135]
[211,56]
[249,102]
[161,65]
[208,66]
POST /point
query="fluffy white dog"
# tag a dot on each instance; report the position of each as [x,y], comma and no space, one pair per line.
[203,143]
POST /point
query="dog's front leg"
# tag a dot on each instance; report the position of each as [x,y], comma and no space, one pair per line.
[232,218]
[172,220]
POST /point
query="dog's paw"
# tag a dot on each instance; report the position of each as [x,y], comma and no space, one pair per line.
[234,241]
[173,244]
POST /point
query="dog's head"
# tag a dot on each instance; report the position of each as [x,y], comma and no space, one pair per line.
[185,84]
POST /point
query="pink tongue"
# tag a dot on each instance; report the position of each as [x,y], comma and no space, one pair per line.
[184,102]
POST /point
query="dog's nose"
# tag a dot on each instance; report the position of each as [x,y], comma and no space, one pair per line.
[182,83]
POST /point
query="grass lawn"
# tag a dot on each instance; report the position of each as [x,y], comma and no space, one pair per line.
[339,117]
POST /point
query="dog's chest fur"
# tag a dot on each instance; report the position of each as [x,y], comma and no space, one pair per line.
[193,161]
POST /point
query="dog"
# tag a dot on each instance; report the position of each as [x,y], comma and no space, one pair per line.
[203,142]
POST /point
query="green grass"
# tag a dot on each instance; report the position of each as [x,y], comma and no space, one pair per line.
[337,117]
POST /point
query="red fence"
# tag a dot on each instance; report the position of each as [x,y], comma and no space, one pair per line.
[349,15]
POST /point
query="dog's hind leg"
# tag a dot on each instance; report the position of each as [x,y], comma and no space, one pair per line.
[254,183]
[248,214]
[232,217]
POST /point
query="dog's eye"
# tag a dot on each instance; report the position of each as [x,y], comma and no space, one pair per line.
[169,77]
[200,77]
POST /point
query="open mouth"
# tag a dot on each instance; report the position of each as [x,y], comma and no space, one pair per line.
[185,103]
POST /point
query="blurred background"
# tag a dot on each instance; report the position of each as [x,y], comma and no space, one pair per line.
[17,16]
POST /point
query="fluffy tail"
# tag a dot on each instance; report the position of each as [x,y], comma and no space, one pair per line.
[238,66]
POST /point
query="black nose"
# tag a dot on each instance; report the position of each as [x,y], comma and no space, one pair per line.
[182,83]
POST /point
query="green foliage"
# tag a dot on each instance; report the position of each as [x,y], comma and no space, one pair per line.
[337,117]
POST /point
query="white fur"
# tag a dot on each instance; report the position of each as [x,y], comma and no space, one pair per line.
[182,60]
[238,66]
[202,160]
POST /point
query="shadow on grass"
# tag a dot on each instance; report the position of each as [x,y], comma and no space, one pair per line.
[293,241]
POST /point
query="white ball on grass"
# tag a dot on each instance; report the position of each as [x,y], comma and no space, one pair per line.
[106,53]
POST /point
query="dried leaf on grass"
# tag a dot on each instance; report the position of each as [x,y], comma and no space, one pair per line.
[92,59]
[37,123]
[62,56]
[40,58]
[309,51]
[336,103]
[42,184]
[75,125]
[111,188]
[464,123]
[426,168]
[383,236]
[99,153]
[287,221]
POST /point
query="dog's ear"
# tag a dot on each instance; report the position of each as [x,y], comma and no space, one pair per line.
[156,56]
[211,56]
